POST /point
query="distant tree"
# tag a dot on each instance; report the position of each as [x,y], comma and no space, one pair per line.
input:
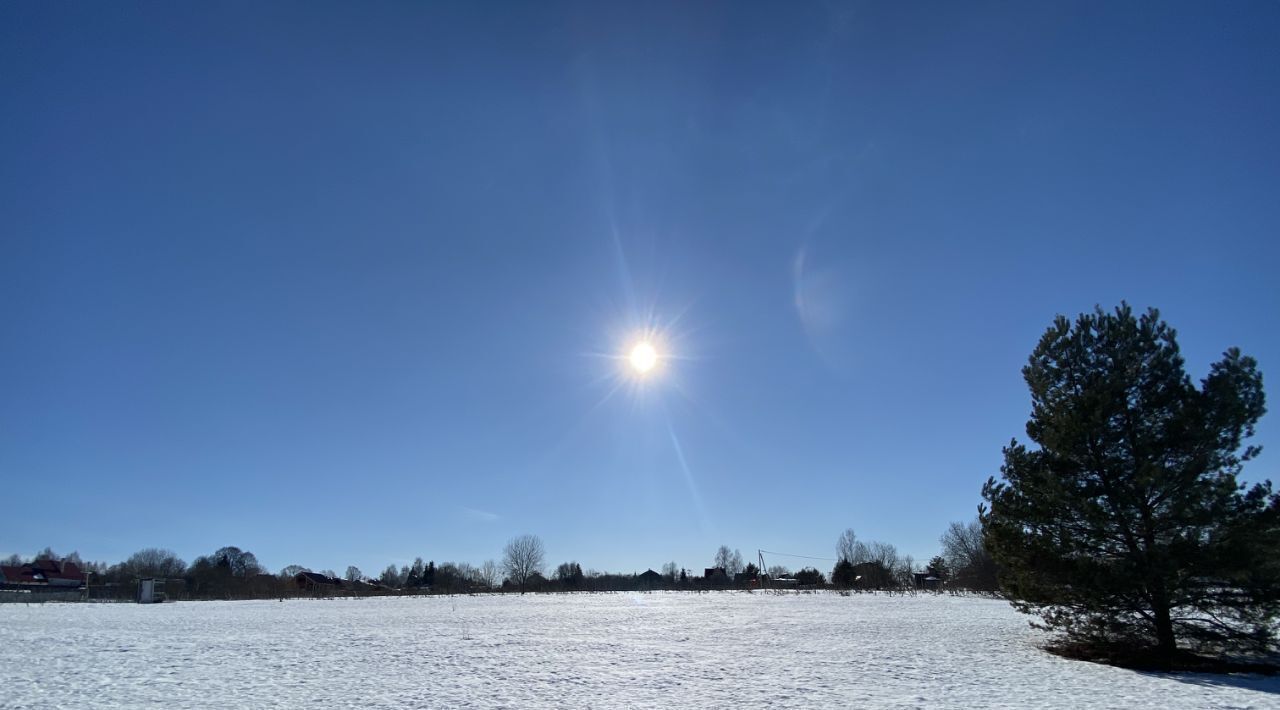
[46,554]
[291,571]
[329,573]
[14,560]
[885,554]
[723,558]
[536,582]
[453,578]
[414,577]
[1127,525]
[155,562]
[669,572]
[470,574]
[241,563]
[850,549]
[569,575]
[98,568]
[810,577]
[968,562]
[390,577]
[684,576]
[490,574]
[429,574]
[937,567]
[847,547]
[523,558]
[353,574]
[227,573]
[777,571]
[748,573]
[728,560]
[874,575]
[905,572]
[843,576]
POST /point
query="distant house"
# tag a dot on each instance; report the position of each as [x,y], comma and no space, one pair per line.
[44,574]
[19,574]
[366,585]
[926,580]
[650,580]
[314,581]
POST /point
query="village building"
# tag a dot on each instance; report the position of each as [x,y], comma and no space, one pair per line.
[44,574]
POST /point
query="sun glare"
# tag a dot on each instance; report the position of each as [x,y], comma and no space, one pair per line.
[643,358]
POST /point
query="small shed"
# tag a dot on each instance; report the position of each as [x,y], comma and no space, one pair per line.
[149,592]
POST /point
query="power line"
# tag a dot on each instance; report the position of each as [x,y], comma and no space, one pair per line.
[803,557]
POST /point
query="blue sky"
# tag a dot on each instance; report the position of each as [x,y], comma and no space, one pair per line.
[347,283]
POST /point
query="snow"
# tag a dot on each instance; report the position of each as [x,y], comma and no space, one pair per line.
[726,649]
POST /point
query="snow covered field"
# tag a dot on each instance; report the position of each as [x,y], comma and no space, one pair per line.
[590,650]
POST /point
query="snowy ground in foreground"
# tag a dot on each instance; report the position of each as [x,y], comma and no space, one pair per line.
[587,650]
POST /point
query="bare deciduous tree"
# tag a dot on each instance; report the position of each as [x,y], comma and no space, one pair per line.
[846,546]
[961,543]
[723,557]
[670,571]
[906,570]
[884,553]
[241,563]
[391,577]
[155,562]
[728,560]
[735,564]
[489,574]
[852,550]
[966,555]
[523,558]
[353,573]
[291,571]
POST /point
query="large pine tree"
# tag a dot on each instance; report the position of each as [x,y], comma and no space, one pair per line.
[1125,525]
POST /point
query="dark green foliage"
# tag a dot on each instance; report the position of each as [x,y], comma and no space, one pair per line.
[413,580]
[228,573]
[569,575]
[843,576]
[873,575]
[937,567]
[1127,526]
[810,576]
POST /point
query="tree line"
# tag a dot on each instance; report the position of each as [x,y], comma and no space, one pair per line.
[234,573]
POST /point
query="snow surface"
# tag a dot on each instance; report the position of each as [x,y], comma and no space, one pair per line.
[725,649]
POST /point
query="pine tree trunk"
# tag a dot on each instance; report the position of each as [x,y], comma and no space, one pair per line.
[1166,644]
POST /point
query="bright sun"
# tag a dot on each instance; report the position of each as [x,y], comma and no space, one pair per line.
[643,357]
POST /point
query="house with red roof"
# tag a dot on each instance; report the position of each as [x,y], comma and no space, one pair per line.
[43,574]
